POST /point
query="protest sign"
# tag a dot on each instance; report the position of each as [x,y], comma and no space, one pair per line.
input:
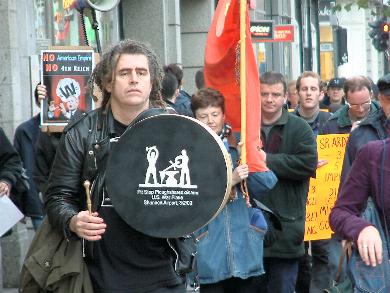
[65,73]
[323,189]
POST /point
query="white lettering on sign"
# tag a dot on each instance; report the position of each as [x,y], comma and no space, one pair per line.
[260,29]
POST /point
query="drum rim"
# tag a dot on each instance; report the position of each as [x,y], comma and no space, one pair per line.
[222,147]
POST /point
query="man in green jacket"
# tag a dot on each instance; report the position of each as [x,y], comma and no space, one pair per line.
[357,106]
[292,155]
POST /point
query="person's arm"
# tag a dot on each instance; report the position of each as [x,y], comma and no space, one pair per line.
[345,217]
[64,196]
[301,162]
[258,182]
[10,164]
[240,173]
[261,182]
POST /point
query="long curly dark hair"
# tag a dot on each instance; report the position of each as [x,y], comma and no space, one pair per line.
[104,71]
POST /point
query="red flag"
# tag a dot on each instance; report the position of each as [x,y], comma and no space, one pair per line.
[222,72]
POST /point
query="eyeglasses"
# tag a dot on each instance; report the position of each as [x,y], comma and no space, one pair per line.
[364,105]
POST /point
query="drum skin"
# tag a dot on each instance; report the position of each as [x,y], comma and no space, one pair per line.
[168,175]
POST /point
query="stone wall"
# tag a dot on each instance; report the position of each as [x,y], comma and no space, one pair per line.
[17,43]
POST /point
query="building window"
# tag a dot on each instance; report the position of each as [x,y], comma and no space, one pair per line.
[69,28]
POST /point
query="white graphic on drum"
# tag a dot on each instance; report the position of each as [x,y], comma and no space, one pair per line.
[177,174]
[151,156]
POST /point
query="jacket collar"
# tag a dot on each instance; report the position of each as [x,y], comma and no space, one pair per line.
[378,121]
[284,118]
[375,117]
[106,118]
[342,116]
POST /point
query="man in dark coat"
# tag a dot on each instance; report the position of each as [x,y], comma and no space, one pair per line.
[309,94]
[335,94]
[183,100]
[375,126]
[358,105]
[26,135]
[291,154]
[170,91]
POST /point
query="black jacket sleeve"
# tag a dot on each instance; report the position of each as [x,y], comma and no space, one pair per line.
[10,163]
[64,194]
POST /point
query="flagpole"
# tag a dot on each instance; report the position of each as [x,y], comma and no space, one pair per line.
[243,8]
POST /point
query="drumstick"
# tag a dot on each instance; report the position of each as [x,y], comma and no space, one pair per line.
[88,196]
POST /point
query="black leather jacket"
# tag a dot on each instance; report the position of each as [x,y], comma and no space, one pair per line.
[83,140]
[81,155]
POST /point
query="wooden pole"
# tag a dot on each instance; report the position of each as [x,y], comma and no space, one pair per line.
[243,7]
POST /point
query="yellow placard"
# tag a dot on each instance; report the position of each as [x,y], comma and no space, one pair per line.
[324,188]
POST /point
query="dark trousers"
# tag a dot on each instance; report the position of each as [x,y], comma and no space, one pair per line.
[304,272]
[314,271]
[232,285]
[280,275]
[172,289]
[181,288]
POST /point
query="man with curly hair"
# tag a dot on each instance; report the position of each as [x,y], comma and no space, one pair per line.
[119,258]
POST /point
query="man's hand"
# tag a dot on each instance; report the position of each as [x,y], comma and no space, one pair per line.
[355,125]
[370,246]
[5,188]
[321,163]
[240,173]
[42,92]
[89,227]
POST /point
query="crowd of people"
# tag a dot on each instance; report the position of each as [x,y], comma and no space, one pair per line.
[231,252]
